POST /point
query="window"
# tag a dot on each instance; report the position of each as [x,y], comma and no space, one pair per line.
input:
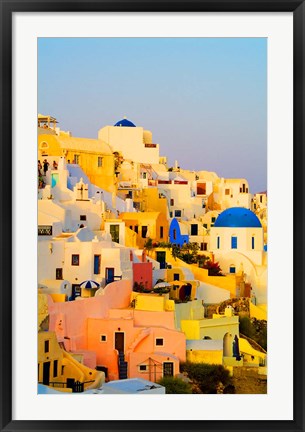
[253,242]
[144,231]
[176,276]
[171,214]
[83,217]
[232,269]
[205,226]
[45,230]
[194,229]
[144,174]
[55,368]
[97,264]
[103,338]
[59,274]
[205,246]
[201,188]
[254,206]
[161,232]
[46,346]
[178,213]
[75,260]
[172,201]
[227,191]
[99,161]
[213,219]
[136,229]
[76,159]
[218,242]
[261,198]
[143,368]
[174,234]
[159,341]
[233,242]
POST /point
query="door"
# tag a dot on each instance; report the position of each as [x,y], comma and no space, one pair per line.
[97,264]
[115,233]
[168,369]
[119,341]
[54,179]
[46,373]
[76,291]
[161,259]
[109,274]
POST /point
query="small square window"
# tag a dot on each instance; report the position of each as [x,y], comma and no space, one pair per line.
[100,161]
[103,338]
[159,341]
[227,191]
[83,217]
[213,219]
[143,368]
[75,260]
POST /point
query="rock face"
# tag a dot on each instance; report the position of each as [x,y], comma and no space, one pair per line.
[240,305]
[248,381]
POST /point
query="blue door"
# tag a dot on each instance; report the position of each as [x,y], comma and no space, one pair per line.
[109,275]
[54,179]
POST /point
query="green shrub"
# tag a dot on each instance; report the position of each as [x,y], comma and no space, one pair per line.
[175,385]
[207,376]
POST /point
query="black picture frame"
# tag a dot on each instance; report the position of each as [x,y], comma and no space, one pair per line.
[8,7]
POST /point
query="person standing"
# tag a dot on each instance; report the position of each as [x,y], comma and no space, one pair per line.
[45,166]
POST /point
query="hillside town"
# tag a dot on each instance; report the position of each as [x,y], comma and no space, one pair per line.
[150,276]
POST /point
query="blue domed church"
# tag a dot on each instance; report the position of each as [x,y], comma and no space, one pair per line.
[237,241]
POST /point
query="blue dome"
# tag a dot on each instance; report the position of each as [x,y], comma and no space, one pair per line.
[125,123]
[237,217]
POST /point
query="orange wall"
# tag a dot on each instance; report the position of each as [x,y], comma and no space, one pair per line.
[74,313]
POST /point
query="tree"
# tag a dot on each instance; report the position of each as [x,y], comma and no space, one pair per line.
[213,268]
[148,245]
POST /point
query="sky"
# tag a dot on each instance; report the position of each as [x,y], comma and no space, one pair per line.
[204,99]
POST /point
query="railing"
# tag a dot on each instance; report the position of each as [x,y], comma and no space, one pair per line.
[76,386]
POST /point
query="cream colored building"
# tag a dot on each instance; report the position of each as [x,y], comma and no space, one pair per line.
[133,142]
[93,156]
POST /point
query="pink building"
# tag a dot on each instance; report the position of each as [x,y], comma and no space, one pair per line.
[126,342]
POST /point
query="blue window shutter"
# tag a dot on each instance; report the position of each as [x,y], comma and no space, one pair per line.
[233,242]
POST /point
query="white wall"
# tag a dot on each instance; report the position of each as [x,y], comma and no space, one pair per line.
[244,241]
[129,141]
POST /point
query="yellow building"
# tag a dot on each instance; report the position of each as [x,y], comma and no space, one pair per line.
[61,370]
[146,225]
[204,351]
[95,157]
